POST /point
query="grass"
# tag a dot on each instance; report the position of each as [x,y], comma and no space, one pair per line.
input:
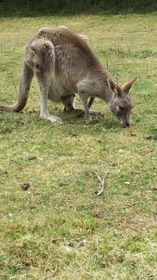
[59,228]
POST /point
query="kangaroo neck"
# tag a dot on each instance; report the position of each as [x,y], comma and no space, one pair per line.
[100,85]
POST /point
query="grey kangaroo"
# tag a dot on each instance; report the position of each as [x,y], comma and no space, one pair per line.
[64,64]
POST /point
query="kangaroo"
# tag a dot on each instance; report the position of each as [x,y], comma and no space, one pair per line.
[64,64]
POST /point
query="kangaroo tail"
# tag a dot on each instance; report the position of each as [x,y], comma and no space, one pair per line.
[25,83]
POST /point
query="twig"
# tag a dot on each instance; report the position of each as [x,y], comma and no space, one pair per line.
[55,271]
[102,182]
[52,272]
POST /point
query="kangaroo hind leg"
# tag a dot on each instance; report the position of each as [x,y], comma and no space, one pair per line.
[44,84]
[43,60]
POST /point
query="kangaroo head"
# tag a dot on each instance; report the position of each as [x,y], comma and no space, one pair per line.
[121,104]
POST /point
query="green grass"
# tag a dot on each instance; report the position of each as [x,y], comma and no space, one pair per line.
[60,223]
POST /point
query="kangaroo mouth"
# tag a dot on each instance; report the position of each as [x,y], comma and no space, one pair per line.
[125,124]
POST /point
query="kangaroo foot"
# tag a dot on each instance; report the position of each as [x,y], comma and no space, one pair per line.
[52,119]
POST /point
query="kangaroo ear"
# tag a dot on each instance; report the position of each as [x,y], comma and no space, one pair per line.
[114,87]
[127,87]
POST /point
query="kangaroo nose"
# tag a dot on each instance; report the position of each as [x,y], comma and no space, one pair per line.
[126,124]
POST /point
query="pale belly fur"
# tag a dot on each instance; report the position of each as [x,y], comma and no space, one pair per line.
[57,92]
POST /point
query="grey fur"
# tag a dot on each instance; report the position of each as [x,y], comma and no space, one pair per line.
[64,64]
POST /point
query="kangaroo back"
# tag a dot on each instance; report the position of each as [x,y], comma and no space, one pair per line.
[64,37]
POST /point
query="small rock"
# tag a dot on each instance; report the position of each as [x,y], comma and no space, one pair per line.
[32,157]
[53,240]
[149,137]
[121,151]
[31,111]
[104,263]
[70,243]
[10,214]
[120,258]
[127,183]
[83,243]
[114,164]
[33,206]
[154,189]
[25,186]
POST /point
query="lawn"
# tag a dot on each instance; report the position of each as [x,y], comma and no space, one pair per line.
[59,228]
